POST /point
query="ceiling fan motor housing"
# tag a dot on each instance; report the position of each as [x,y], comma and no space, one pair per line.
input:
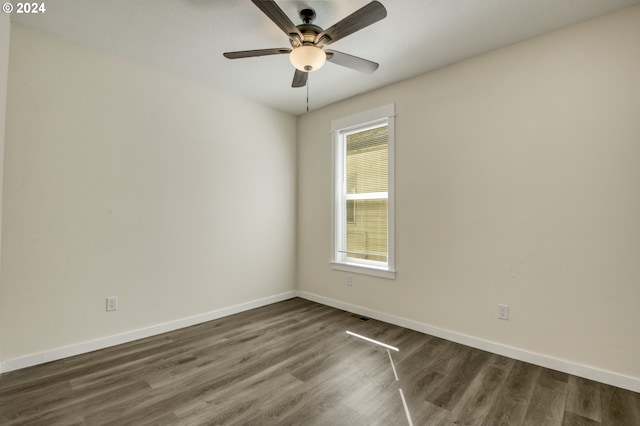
[309,33]
[307,57]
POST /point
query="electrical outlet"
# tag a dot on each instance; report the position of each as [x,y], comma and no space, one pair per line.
[503,312]
[349,280]
[112,303]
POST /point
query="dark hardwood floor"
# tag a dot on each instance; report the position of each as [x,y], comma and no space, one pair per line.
[292,363]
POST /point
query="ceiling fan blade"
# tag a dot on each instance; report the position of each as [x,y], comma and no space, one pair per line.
[361,18]
[350,61]
[299,79]
[258,52]
[273,11]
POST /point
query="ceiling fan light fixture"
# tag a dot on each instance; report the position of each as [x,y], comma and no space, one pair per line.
[308,58]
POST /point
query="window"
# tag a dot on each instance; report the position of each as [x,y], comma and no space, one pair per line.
[363,231]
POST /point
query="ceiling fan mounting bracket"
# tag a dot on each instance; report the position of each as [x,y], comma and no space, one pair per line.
[307,15]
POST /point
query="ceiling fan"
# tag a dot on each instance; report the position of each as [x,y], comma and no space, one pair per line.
[308,40]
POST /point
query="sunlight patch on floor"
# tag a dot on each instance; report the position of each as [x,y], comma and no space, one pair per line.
[393,367]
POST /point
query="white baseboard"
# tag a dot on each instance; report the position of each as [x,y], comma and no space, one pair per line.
[84,347]
[587,372]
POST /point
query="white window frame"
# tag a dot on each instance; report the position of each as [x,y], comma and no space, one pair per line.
[339,128]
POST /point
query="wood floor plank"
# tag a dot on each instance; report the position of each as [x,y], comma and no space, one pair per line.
[59,420]
[292,363]
[19,405]
[256,390]
[547,403]
[278,403]
[460,372]
[104,400]
[512,401]
[378,384]
[481,393]
[425,413]
[423,369]
[572,419]
[619,406]
[583,398]
[76,404]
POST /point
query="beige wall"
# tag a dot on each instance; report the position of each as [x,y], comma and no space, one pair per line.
[122,180]
[5,30]
[517,182]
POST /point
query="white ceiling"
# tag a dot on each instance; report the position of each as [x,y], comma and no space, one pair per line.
[188,37]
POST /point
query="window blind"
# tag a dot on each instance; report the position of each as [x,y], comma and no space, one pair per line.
[366,194]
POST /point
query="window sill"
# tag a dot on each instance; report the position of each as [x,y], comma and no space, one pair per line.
[365,270]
